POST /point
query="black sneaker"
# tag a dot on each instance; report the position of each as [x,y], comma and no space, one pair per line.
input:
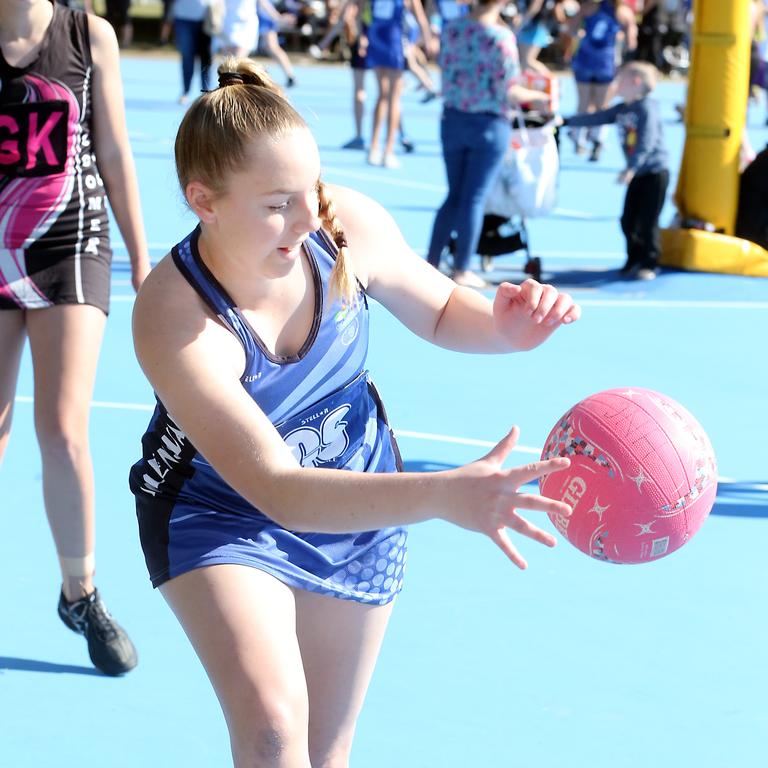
[597,149]
[110,649]
[629,269]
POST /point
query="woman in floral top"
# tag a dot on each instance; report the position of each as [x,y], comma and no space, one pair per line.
[480,68]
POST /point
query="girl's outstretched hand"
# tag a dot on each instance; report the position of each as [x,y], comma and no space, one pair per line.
[528,314]
[487,498]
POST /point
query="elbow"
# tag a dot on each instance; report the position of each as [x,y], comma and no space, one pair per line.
[279,497]
[113,166]
[113,157]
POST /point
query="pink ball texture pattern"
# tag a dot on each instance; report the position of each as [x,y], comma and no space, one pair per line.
[642,480]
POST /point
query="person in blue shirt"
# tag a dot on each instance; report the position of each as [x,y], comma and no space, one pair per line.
[646,175]
[270,506]
[594,63]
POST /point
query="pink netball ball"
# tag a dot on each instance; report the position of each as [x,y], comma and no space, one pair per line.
[642,480]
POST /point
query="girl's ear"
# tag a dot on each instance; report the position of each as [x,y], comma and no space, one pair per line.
[201,200]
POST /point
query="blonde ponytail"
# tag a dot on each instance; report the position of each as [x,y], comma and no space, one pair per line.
[216,131]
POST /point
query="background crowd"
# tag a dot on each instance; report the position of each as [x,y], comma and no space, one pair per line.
[545,33]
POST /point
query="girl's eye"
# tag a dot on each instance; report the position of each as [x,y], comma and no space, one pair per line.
[279,207]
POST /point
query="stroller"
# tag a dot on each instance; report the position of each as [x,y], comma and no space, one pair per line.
[504,228]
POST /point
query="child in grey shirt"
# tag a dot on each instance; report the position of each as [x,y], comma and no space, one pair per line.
[647,173]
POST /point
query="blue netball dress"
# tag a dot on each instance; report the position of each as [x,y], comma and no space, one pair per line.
[324,406]
[595,59]
[451,9]
[385,35]
[266,23]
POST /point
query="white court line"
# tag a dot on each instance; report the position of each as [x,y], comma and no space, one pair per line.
[99,404]
[570,213]
[584,256]
[580,255]
[119,245]
[383,178]
[673,304]
[441,188]
[398,432]
[461,441]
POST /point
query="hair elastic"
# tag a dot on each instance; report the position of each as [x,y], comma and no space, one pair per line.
[230,78]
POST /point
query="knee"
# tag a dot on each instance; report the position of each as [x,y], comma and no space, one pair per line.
[62,439]
[270,736]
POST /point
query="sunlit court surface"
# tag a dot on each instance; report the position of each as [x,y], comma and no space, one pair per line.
[573,663]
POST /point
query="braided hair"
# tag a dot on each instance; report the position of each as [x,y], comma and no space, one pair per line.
[343,281]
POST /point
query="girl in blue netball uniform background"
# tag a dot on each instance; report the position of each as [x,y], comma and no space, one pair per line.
[385,54]
[595,62]
[254,333]
[269,24]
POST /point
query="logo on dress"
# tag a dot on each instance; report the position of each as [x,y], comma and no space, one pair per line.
[315,446]
[347,324]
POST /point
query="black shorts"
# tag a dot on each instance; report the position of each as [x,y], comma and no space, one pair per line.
[58,268]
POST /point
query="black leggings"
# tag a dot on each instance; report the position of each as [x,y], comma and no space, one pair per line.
[640,220]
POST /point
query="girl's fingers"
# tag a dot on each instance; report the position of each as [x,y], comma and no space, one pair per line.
[508,291]
[549,298]
[531,294]
[573,314]
[538,503]
[506,294]
[502,449]
[559,309]
[536,469]
[501,540]
[526,528]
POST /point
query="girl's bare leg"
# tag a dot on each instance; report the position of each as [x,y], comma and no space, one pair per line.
[65,342]
[242,623]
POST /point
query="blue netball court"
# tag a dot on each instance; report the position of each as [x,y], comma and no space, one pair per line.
[572,664]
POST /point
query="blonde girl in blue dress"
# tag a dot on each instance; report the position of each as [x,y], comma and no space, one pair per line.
[253,332]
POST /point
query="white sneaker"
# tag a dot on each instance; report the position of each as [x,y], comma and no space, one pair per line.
[315,52]
[375,157]
[390,161]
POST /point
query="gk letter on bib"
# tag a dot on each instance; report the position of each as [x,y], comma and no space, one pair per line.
[33,138]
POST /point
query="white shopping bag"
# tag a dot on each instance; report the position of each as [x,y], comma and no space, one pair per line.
[527,181]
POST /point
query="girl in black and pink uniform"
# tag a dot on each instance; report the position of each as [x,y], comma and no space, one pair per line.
[61,108]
